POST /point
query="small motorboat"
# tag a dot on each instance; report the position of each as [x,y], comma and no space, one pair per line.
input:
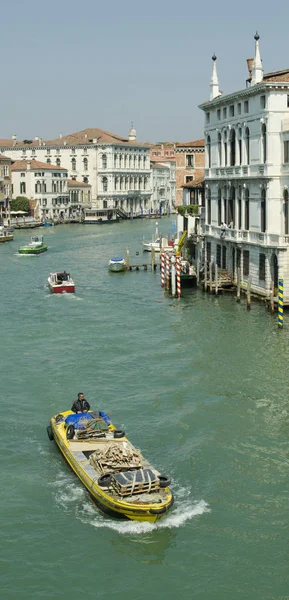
[119,479]
[60,282]
[116,265]
[36,246]
[5,235]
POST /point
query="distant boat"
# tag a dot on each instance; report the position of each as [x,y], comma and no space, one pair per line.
[60,282]
[36,246]
[5,235]
[116,265]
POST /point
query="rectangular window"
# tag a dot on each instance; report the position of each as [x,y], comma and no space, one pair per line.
[232,110]
[246,259]
[263,101]
[262,267]
[239,108]
[207,117]
[287,101]
[224,113]
[190,160]
[208,252]
[189,179]
[219,248]
[286,151]
[218,114]
[246,106]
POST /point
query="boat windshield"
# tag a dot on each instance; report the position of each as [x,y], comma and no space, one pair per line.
[63,276]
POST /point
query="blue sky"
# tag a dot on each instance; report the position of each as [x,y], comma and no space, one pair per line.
[67,65]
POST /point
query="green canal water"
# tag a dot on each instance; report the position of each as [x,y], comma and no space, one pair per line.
[199,384]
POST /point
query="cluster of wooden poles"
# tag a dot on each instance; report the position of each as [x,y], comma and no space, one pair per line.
[171,273]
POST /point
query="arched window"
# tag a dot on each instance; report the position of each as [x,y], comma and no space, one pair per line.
[58,162]
[239,207]
[209,151]
[209,207]
[233,147]
[263,211]
[85,164]
[247,145]
[240,146]
[73,164]
[115,160]
[219,207]
[231,208]
[49,161]
[144,183]
[125,159]
[115,183]
[22,187]
[263,143]
[220,149]
[104,184]
[225,149]
[247,210]
[286,212]
[104,161]
[38,187]
[120,183]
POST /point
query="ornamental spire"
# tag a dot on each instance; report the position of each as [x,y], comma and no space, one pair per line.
[257,70]
[214,85]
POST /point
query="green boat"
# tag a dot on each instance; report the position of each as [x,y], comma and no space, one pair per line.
[36,246]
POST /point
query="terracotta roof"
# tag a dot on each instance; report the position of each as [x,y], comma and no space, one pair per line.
[196,144]
[74,183]
[276,76]
[35,165]
[84,137]
[3,156]
[196,183]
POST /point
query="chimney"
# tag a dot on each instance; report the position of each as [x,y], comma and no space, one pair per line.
[36,139]
[250,67]
[65,142]
[60,136]
[40,141]
[14,138]
[94,141]
[28,165]
[85,136]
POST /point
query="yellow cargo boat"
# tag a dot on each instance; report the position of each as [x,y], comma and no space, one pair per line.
[121,482]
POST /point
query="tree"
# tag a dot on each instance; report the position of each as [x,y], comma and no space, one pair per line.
[20,203]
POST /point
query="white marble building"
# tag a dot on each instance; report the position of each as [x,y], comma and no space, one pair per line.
[117,168]
[163,186]
[247,177]
[53,195]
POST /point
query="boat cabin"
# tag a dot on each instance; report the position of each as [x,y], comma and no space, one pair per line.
[59,277]
[37,239]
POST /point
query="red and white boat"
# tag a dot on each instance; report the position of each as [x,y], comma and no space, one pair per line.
[61,282]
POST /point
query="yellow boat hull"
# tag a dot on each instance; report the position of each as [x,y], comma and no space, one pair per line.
[116,507]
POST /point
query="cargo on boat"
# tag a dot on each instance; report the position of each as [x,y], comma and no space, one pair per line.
[120,480]
[36,246]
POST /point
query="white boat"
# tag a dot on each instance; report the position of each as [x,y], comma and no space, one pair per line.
[116,265]
[159,244]
[60,282]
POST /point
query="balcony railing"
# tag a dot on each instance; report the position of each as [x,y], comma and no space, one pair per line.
[250,237]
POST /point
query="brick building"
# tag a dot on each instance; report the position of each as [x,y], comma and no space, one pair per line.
[190,163]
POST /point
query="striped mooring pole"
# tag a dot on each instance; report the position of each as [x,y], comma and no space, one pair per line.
[163,269]
[178,270]
[167,271]
[280,303]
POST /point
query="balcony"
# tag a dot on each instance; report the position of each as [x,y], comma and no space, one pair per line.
[256,238]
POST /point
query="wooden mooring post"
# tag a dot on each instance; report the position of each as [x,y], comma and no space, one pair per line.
[211,277]
[249,292]
[173,275]
[153,256]
[272,307]
[216,280]
[238,284]
[198,271]
[280,303]
[167,271]
[127,258]
[163,269]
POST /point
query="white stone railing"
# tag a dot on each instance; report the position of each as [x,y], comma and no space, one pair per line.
[250,237]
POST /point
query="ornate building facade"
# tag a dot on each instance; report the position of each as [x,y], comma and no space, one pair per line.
[247,177]
[116,168]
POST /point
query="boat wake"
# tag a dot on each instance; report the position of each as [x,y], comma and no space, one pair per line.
[72,496]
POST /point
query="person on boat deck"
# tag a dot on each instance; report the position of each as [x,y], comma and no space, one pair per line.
[80,405]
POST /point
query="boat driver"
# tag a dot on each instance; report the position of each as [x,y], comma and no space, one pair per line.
[80,405]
